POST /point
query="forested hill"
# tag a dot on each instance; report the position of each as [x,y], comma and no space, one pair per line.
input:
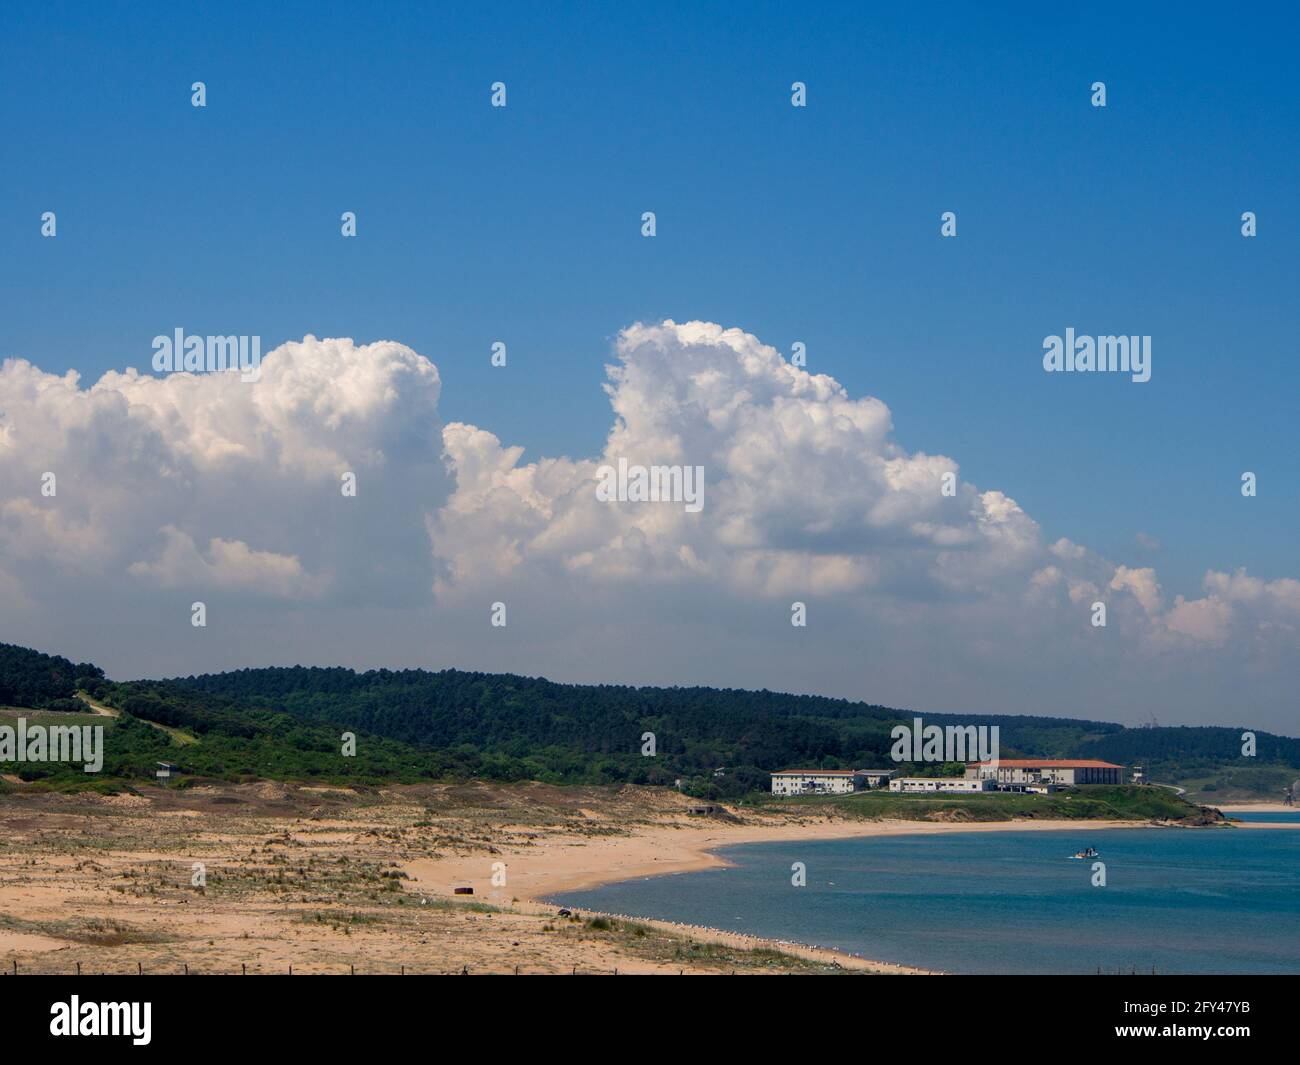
[29,678]
[697,730]
[413,724]
[595,730]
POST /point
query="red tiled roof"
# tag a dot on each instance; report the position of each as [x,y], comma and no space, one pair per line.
[1053,763]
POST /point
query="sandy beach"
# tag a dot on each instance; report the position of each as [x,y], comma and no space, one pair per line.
[553,865]
[332,880]
[549,866]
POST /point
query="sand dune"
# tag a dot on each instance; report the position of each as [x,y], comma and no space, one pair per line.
[336,879]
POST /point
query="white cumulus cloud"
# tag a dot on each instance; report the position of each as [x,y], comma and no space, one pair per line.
[185,487]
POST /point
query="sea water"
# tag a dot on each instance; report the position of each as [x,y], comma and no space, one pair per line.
[1291,817]
[1175,900]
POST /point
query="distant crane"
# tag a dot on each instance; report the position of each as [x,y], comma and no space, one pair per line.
[1290,793]
[1153,723]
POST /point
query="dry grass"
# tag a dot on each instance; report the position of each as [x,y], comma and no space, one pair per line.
[314,878]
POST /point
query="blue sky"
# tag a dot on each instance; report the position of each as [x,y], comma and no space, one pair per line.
[818,224]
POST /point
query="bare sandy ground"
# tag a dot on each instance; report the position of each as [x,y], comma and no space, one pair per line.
[269,878]
[334,880]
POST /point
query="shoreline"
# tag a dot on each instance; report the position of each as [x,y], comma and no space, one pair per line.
[329,879]
[550,867]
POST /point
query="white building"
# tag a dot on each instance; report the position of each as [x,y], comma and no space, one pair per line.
[1063,771]
[817,781]
[941,784]
[828,781]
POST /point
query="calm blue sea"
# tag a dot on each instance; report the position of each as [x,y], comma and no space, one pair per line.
[1176,900]
[1288,816]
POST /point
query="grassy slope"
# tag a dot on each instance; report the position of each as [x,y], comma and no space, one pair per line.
[133,746]
[1092,802]
[1247,783]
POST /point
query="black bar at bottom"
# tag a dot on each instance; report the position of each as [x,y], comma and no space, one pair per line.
[324,1014]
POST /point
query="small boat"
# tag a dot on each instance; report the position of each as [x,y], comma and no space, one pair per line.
[1090,852]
